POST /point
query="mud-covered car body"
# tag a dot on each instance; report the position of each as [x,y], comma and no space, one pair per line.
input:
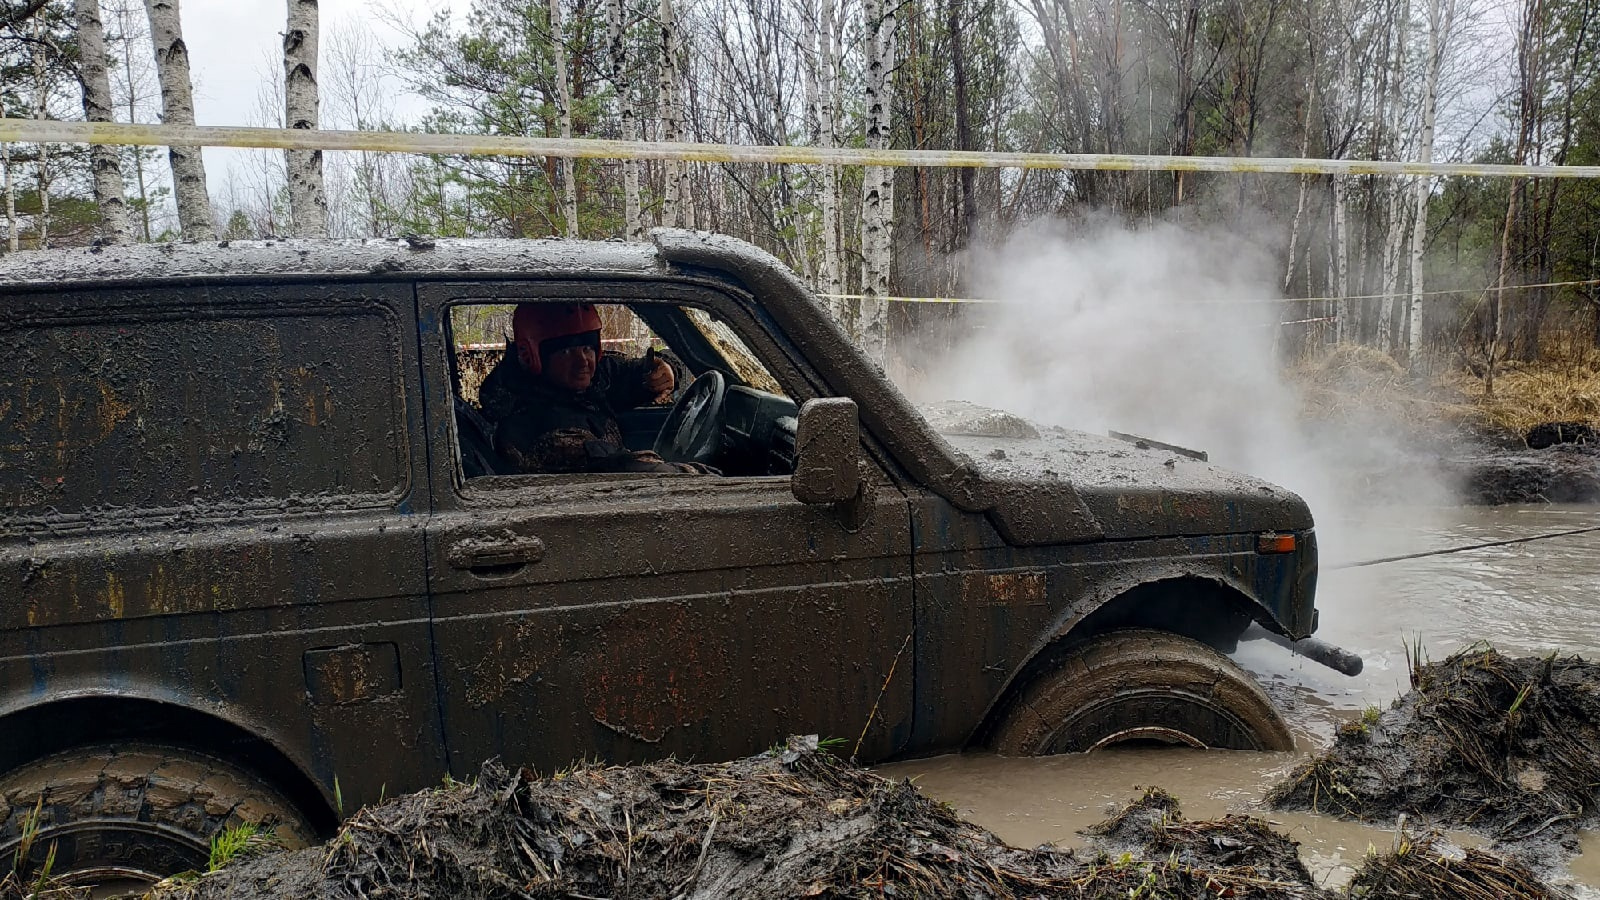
[232,516]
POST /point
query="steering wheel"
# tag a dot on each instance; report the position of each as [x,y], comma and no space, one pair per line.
[693,429]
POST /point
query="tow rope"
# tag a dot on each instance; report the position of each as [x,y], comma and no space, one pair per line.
[1448,550]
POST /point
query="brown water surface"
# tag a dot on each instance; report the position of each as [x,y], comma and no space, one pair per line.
[1523,598]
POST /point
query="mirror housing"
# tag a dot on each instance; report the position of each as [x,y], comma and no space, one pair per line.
[827,444]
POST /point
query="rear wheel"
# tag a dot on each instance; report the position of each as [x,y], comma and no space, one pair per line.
[118,817]
[1140,685]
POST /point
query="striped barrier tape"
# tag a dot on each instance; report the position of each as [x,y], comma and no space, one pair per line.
[44,131]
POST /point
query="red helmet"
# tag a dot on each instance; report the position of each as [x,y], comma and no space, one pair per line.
[535,323]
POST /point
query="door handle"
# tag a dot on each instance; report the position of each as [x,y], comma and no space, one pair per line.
[495,551]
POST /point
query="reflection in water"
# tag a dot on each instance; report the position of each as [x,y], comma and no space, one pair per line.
[1524,598]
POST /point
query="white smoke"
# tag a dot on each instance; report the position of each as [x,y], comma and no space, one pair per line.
[1164,331]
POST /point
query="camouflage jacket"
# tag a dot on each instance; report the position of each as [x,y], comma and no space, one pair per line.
[539,429]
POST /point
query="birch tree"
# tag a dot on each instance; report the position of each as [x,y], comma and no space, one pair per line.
[668,114]
[569,170]
[1441,20]
[177,108]
[308,202]
[622,84]
[877,189]
[107,172]
[12,240]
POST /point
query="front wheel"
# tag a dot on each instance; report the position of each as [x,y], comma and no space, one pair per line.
[1139,685]
[117,817]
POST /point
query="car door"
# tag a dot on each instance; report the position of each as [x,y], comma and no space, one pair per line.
[630,617]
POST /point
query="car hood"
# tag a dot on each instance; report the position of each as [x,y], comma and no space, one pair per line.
[1125,488]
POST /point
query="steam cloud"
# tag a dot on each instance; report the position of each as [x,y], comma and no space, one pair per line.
[1156,331]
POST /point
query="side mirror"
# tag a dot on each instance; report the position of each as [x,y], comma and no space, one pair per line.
[827,441]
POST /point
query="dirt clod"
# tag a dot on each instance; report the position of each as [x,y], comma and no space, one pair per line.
[1509,747]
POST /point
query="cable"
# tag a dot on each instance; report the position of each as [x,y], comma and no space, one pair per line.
[1449,550]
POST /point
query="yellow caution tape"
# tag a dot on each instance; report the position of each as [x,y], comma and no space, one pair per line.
[43,131]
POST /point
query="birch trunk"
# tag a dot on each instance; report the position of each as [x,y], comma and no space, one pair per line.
[1305,180]
[666,116]
[43,177]
[308,203]
[177,108]
[633,218]
[1338,259]
[1438,40]
[11,199]
[877,199]
[1394,196]
[827,128]
[113,206]
[569,168]
[124,14]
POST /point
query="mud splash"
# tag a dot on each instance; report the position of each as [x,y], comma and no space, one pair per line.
[1509,747]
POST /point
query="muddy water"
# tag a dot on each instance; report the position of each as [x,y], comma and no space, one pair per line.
[1524,598]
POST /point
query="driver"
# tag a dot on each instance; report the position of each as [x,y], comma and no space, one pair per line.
[553,400]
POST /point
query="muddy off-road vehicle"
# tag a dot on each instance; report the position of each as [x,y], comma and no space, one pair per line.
[260,561]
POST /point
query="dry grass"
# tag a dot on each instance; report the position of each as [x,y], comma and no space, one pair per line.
[1356,383]
[1563,389]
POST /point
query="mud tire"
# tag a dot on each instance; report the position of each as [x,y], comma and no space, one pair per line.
[131,814]
[1139,684]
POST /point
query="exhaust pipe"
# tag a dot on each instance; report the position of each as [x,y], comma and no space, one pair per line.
[1336,658]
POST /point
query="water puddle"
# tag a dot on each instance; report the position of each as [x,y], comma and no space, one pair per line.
[1528,598]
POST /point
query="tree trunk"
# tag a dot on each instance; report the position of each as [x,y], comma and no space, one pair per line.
[177,108]
[828,116]
[113,224]
[308,203]
[1338,260]
[1394,195]
[11,199]
[667,114]
[569,168]
[124,13]
[1438,40]
[633,218]
[43,176]
[877,189]
[964,222]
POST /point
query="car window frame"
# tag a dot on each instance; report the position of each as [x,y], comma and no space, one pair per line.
[767,346]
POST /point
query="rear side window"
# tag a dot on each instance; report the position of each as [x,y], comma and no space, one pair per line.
[179,407]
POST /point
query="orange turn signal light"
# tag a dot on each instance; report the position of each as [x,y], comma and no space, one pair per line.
[1275,543]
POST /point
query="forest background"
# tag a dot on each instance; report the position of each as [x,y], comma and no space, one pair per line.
[1438,274]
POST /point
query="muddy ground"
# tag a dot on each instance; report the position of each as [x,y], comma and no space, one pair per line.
[1509,747]
[799,822]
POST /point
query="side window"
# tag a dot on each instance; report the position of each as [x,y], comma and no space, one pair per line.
[185,407]
[612,389]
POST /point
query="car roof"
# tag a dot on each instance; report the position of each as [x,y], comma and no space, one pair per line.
[295,258]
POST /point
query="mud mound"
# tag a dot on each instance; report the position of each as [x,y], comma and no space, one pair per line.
[789,824]
[1563,473]
[795,823]
[1550,434]
[1424,869]
[1236,856]
[1510,747]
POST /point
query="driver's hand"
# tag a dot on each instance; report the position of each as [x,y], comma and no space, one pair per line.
[659,381]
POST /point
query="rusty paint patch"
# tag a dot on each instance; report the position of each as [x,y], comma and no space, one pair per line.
[1006,589]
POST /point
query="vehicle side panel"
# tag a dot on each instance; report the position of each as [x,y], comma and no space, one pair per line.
[205,498]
